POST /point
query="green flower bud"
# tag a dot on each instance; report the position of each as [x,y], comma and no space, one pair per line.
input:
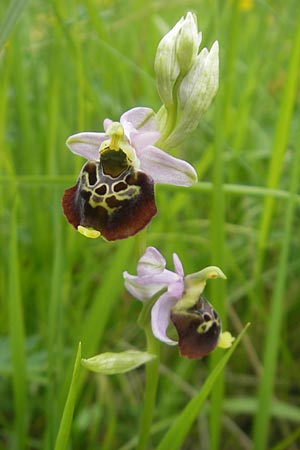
[200,85]
[175,55]
[166,65]
[195,94]
[188,41]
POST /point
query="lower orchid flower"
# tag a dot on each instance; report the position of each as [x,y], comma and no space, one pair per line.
[114,194]
[197,323]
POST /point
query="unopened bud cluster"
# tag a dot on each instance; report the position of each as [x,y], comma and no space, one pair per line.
[187,80]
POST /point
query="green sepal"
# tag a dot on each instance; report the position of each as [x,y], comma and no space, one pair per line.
[113,363]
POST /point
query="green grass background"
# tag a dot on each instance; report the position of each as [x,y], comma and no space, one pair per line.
[65,65]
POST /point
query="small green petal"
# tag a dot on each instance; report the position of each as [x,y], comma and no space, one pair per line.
[205,274]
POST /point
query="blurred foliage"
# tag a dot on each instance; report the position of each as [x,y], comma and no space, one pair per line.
[66,66]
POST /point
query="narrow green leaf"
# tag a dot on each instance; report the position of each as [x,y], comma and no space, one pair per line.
[249,405]
[175,436]
[55,332]
[111,363]
[275,318]
[17,335]
[280,143]
[286,443]
[66,421]
[13,13]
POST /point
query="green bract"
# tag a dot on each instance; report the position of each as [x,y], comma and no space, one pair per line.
[113,363]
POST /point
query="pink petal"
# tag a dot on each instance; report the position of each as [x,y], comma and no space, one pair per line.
[107,123]
[140,140]
[178,265]
[143,119]
[140,291]
[166,278]
[86,144]
[128,129]
[176,288]
[166,169]
[152,262]
[160,317]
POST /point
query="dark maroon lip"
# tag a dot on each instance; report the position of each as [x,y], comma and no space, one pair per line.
[198,329]
[117,206]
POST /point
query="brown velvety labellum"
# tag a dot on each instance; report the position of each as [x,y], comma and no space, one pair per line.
[198,329]
[117,206]
[69,206]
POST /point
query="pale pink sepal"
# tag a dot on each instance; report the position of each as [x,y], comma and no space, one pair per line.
[165,169]
[86,144]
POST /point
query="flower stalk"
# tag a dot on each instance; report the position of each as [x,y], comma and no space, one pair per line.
[152,375]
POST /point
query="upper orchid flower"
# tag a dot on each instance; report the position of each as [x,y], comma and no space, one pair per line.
[196,321]
[114,194]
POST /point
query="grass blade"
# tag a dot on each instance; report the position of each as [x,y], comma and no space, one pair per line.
[66,421]
[13,13]
[279,144]
[17,336]
[288,441]
[262,418]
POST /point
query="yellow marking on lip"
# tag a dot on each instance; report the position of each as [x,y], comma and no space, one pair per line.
[225,340]
[88,232]
[205,326]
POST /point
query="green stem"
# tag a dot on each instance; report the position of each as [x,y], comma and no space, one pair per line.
[172,114]
[152,367]
[169,125]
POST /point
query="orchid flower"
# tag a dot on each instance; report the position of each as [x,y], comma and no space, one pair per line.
[114,194]
[197,323]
